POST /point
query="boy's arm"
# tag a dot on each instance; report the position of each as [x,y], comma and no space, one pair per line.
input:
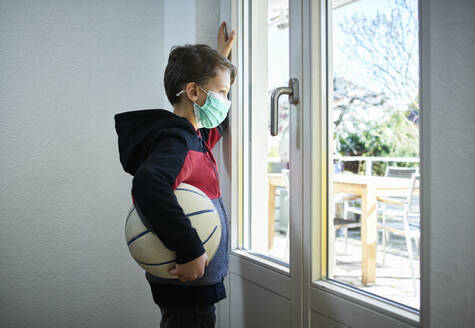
[225,44]
[225,41]
[153,194]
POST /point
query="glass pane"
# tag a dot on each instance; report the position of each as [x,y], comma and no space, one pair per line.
[374,218]
[267,163]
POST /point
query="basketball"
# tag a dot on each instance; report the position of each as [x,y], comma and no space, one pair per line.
[147,249]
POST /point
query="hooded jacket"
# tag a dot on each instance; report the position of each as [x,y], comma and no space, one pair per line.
[161,150]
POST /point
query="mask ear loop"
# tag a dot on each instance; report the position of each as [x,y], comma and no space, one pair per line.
[203,89]
[179,93]
[194,109]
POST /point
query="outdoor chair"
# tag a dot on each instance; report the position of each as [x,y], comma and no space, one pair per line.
[344,222]
[401,216]
[393,172]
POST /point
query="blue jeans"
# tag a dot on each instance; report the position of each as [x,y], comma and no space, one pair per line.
[189,317]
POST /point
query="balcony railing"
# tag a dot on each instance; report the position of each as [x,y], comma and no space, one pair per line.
[370,160]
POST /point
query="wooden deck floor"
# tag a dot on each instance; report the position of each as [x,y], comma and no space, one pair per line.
[393,279]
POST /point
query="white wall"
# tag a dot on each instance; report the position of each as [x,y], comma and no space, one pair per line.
[67,67]
[179,27]
[207,20]
[448,118]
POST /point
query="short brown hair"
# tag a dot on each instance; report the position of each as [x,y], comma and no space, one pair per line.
[192,63]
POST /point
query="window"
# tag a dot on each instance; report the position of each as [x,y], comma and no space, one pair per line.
[265,158]
[373,217]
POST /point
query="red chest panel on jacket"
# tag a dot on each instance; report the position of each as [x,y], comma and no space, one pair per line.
[199,171]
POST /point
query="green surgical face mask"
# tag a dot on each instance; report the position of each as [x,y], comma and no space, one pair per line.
[213,111]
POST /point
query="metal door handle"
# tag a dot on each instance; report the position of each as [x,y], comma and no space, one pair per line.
[293,91]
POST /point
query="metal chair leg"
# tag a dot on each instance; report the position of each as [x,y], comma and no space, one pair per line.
[346,240]
[385,234]
[409,248]
[287,242]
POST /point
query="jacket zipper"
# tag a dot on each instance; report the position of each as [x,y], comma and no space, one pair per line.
[209,159]
[226,219]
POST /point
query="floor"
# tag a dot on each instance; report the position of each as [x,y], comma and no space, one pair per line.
[393,279]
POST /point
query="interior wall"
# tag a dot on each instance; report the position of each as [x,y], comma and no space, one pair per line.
[67,67]
[180,29]
[207,20]
[448,117]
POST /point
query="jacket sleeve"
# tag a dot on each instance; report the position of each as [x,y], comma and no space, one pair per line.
[156,201]
[213,135]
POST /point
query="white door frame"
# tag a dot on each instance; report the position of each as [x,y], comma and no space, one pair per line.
[329,305]
[313,300]
[283,281]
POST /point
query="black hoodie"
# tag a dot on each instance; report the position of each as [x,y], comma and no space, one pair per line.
[161,150]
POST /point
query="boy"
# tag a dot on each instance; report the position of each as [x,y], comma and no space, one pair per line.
[163,149]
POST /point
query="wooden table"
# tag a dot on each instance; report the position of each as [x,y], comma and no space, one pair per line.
[368,188]
[275,180]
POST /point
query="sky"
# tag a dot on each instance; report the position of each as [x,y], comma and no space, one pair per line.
[278,43]
[344,67]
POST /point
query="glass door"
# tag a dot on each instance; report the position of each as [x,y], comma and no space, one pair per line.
[266,161]
[265,264]
[366,224]
[304,99]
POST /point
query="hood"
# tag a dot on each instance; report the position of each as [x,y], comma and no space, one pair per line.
[138,130]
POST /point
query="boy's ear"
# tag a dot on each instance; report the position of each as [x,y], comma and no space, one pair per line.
[192,91]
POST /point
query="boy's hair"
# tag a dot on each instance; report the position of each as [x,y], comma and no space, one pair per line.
[192,63]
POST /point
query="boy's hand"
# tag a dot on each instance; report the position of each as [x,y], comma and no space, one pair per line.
[225,43]
[192,270]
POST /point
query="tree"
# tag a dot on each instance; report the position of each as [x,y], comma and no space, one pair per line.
[387,46]
[383,121]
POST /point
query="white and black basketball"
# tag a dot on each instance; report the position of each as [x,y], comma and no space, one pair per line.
[147,249]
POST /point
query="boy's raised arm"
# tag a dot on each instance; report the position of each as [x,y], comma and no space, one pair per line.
[156,200]
[225,42]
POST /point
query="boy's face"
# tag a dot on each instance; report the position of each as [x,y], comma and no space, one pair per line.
[221,84]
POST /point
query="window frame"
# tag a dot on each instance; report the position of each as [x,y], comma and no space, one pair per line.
[241,183]
[321,57]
